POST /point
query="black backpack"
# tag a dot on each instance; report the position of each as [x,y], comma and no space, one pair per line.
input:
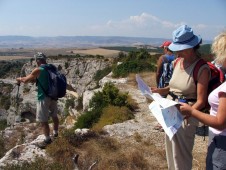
[57,82]
[167,71]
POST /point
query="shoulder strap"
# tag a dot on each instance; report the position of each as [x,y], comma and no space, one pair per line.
[219,69]
[222,78]
[176,61]
[200,63]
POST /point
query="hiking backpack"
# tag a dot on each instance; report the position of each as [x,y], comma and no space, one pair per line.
[57,82]
[216,79]
[167,71]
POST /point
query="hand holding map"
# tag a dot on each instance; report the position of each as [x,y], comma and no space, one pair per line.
[163,109]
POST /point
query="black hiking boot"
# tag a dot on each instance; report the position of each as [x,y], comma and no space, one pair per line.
[55,135]
[44,143]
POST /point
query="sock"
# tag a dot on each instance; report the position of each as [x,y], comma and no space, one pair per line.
[55,132]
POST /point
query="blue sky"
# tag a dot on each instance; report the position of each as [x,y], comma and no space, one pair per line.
[134,18]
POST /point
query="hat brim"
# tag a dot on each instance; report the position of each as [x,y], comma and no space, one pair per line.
[179,46]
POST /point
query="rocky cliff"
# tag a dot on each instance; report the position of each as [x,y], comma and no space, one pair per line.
[80,74]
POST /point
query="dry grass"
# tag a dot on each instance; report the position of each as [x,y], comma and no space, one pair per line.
[13,57]
[112,115]
[110,154]
[148,77]
[96,51]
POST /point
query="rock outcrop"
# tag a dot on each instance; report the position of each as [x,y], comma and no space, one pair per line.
[80,74]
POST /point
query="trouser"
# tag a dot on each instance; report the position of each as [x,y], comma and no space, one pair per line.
[179,149]
[216,154]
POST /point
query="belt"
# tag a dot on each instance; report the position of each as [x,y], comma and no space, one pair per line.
[181,98]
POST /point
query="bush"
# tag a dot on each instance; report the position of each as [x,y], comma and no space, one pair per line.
[102,73]
[69,103]
[3,124]
[110,96]
[135,62]
[80,104]
[11,68]
[2,147]
[5,102]
[87,119]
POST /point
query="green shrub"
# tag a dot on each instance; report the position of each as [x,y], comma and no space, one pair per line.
[11,68]
[5,102]
[102,73]
[87,119]
[80,104]
[66,65]
[110,96]
[2,147]
[135,62]
[69,103]
[3,124]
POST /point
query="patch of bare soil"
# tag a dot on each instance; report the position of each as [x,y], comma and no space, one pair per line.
[96,51]
[140,130]
[13,58]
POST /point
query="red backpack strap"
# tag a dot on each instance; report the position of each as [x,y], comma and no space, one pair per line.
[176,61]
[196,69]
[222,78]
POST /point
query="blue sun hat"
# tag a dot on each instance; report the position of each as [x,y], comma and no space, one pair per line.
[184,38]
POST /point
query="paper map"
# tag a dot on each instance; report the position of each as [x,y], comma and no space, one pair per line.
[163,109]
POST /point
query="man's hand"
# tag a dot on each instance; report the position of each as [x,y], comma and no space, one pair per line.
[18,80]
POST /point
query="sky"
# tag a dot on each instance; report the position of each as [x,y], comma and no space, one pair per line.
[129,18]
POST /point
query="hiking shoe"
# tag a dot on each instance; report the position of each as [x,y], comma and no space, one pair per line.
[55,135]
[43,144]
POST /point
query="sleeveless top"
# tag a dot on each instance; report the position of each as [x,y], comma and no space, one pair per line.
[182,82]
[43,79]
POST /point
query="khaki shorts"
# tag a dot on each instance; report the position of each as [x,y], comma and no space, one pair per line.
[46,108]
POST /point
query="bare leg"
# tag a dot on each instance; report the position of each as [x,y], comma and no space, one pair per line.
[45,128]
[55,123]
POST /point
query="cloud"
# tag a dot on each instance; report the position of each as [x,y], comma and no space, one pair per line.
[144,25]
[147,25]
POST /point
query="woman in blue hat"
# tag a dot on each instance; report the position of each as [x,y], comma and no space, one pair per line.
[182,87]
[216,154]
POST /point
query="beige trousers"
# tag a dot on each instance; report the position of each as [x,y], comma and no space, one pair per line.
[179,149]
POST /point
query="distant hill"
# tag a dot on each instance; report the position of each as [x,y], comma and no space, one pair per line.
[76,41]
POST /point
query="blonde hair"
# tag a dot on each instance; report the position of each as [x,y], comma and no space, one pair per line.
[219,47]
